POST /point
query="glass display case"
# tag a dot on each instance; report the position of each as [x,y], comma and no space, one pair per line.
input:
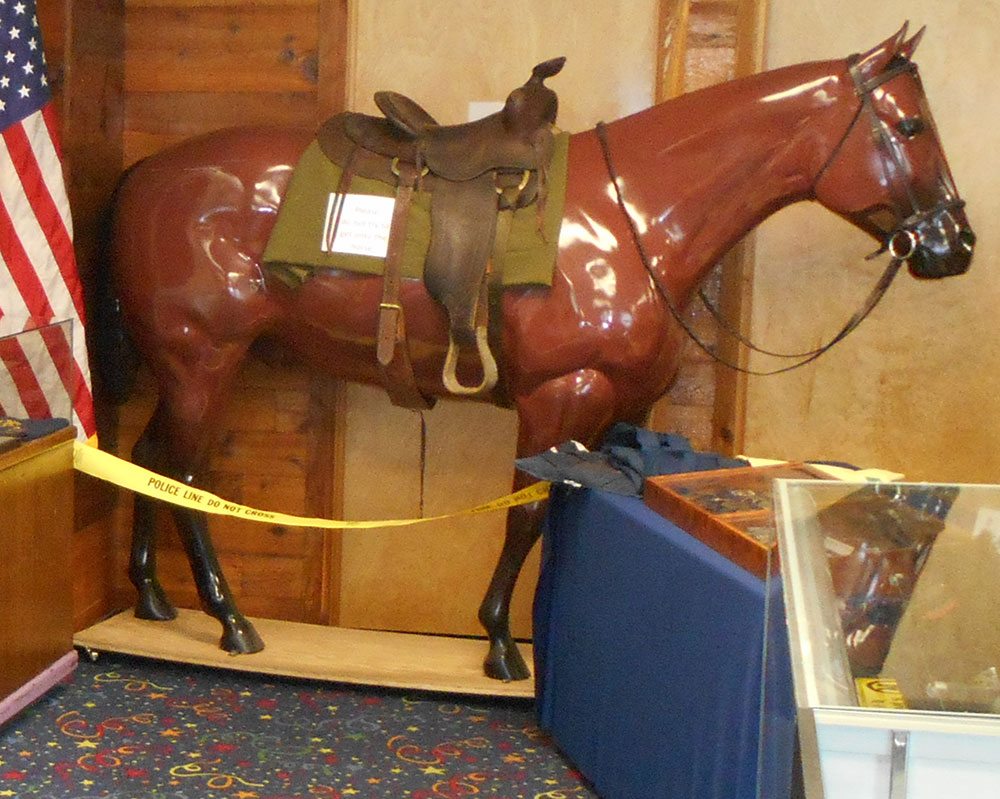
[36,368]
[892,600]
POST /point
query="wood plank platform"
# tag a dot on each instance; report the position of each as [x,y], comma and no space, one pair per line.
[336,654]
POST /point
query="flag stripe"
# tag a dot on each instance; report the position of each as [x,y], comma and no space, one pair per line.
[29,391]
[40,289]
[29,158]
[26,279]
[65,364]
[52,124]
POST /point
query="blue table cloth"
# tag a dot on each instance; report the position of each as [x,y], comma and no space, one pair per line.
[648,657]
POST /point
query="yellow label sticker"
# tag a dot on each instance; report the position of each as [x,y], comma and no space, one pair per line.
[105,466]
[879,692]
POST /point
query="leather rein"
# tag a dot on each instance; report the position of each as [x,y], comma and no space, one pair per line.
[900,242]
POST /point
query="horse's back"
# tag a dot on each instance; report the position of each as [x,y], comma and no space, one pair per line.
[189,226]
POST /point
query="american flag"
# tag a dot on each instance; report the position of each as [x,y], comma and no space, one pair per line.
[39,285]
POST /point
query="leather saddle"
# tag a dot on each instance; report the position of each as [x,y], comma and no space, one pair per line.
[474,172]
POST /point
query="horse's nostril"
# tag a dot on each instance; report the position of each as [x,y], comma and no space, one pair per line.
[967,239]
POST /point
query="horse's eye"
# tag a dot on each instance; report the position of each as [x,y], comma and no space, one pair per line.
[910,126]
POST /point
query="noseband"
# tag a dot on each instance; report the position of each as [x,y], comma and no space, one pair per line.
[901,242]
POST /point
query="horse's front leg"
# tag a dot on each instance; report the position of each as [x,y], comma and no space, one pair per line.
[504,661]
[577,406]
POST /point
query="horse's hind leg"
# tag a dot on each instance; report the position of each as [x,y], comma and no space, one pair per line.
[238,634]
[152,602]
[176,443]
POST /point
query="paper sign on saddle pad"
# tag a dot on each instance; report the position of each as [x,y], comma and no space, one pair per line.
[357,224]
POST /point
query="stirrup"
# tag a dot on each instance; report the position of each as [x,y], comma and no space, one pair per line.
[448,376]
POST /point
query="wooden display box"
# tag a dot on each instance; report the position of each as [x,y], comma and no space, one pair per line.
[730,510]
[36,598]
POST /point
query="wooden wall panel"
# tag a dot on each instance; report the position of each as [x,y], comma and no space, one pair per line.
[195,67]
[83,46]
[276,451]
[189,68]
[698,50]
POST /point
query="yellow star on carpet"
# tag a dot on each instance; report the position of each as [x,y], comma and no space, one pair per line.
[374,780]
[86,782]
[412,729]
[89,704]
[87,745]
[25,753]
[246,693]
[173,732]
[316,740]
[433,770]
[477,719]
[326,750]
[349,791]
[157,696]
[7,793]
[245,795]
[266,716]
[513,759]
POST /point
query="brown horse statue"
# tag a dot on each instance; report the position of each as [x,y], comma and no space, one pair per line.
[691,176]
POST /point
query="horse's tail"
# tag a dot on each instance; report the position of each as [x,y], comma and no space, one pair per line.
[116,359]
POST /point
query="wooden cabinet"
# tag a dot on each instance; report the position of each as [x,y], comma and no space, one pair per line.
[36,597]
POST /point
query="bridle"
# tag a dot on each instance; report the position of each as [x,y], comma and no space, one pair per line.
[900,243]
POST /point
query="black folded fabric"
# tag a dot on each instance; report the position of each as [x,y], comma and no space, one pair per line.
[29,429]
[628,455]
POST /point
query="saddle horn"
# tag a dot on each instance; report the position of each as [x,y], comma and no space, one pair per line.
[547,69]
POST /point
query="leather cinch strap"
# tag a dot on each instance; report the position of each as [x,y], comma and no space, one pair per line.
[391,350]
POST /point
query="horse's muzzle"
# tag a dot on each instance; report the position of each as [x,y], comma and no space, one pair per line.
[934,245]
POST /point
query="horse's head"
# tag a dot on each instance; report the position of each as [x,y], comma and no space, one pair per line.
[888,174]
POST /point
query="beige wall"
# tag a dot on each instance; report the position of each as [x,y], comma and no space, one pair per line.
[917,388]
[444,54]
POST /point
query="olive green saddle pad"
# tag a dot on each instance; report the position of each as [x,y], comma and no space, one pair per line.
[294,251]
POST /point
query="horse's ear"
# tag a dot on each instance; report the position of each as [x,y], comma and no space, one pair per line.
[906,50]
[874,61]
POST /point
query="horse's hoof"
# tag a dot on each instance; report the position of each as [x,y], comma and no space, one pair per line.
[504,662]
[239,637]
[153,603]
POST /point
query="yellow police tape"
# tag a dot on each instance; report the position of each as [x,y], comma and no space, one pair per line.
[105,466]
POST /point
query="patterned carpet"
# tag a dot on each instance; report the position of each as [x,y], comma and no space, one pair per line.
[129,728]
